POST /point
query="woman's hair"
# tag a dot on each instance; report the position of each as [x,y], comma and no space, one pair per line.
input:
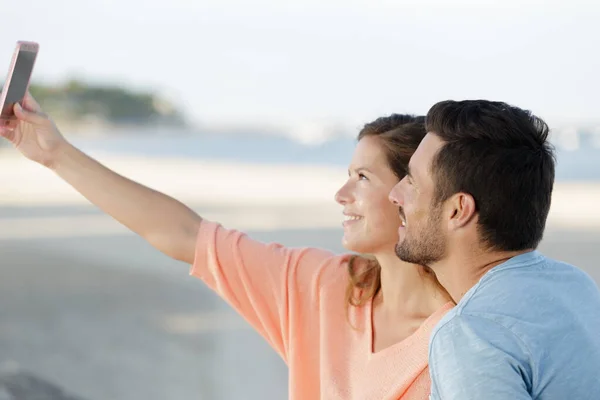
[400,135]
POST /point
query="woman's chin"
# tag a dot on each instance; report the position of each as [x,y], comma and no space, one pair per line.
[366,245]
[355,245]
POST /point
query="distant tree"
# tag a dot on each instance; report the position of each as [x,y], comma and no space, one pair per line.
[115,104]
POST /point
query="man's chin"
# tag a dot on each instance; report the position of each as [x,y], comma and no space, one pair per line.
[405,254]
[401,252]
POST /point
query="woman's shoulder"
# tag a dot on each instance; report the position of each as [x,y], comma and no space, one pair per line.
[305,265]
[328,264]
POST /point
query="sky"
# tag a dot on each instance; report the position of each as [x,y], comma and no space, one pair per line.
[235,62]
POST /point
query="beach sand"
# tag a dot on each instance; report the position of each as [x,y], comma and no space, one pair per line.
[218,184]
[92,308]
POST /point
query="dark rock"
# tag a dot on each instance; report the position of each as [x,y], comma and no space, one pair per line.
[20,385]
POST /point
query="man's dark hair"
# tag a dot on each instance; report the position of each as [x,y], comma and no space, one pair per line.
[500,155]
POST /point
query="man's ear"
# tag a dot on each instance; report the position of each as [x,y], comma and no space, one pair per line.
[461,210]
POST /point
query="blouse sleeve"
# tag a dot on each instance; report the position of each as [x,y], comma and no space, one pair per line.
[273,287]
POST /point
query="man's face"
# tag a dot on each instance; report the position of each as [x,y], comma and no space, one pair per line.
[422,237]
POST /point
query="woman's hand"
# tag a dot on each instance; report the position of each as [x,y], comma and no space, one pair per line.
[35,134]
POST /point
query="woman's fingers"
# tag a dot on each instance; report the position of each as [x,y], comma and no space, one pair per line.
[33,117]
[30,104]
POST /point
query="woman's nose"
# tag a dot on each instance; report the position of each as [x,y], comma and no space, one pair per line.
[342,196]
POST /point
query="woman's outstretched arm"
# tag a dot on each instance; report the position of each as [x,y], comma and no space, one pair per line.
[167,224]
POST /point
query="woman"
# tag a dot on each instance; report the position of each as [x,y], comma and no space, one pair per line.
[374,347]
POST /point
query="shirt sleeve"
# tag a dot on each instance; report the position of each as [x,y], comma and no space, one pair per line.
[473,358]
[272,286]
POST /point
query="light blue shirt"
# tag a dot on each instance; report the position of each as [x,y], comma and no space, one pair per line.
[530,329]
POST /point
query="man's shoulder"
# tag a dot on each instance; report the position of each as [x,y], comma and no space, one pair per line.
[467,337]
[523,300]
[513,319]
[525,287]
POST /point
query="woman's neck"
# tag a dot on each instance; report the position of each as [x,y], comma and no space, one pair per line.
[407,289]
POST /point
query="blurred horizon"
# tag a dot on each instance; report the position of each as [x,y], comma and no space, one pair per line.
[88,108]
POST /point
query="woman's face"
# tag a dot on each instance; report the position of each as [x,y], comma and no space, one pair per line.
[371,221]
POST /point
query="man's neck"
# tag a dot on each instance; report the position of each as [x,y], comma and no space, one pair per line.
[459,272]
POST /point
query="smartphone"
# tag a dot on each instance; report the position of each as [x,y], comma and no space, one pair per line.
[17,80]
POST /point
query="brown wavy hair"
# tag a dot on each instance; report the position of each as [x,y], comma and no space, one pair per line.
[400,135]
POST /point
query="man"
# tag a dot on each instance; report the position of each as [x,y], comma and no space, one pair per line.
[474,207]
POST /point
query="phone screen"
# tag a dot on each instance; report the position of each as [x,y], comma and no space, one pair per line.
[19,81]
